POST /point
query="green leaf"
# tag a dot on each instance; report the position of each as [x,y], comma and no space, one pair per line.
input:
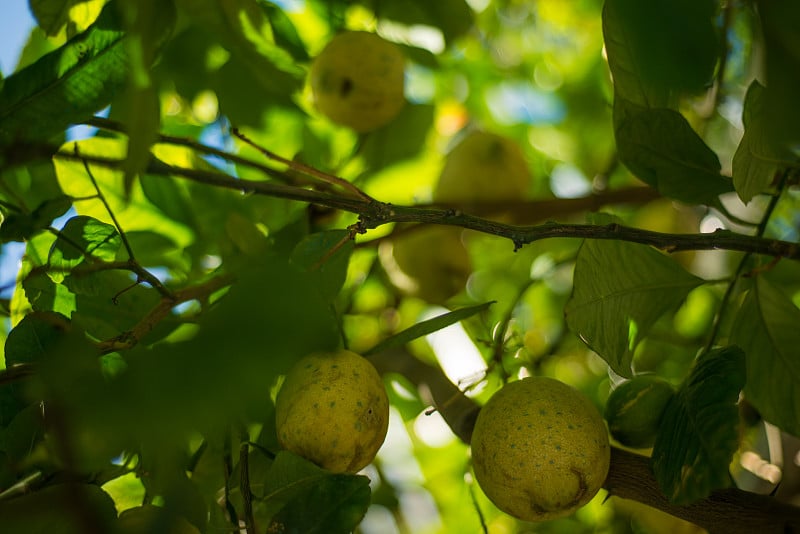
[660,148]
[699,429]
[18,226]
[403,138]
[620,290]
[660,49]
[133,212]
[150,518]
[52,15]
[427,327]
[756,159]
[310,499]
[81,238]
[52,510]
[284,32]
[453,17]
[34,336]
[766,329]
[243,27]
[326,255]
[69,84]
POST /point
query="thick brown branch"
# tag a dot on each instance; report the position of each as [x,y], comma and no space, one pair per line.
[375,214]
[729,511]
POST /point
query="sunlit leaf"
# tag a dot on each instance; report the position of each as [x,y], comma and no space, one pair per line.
[660,148]
[452,17]
[620,290]
[83,238]
[699,429]
[766,329]
[310,499]
[133,212]
[427,327]
[70,83]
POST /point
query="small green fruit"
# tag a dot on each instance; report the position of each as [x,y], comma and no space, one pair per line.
[358,80]
[540,449]
[634,409]
[333,410]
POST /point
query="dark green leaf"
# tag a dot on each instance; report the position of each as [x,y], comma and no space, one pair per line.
[757,158]
[310,499]
[326,256]
[660,49]
[69,84]
[24,432]
[150,518]
[34,336]
[403,138]
[427,327]
[52,510]
[20,226]
[620,290]
[660,148]
[766,329]
[699,429]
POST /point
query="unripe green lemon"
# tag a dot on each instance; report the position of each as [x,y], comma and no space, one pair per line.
[483,167]
[634,409]
[430,263]
[540,449]
[332,409]
[358,79]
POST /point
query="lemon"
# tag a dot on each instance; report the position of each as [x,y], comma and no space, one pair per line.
[634,410]
[483,167]
[540,449]
[430,263]
[358,80]
[332,409]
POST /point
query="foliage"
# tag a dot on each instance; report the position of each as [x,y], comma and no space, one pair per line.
[180,225]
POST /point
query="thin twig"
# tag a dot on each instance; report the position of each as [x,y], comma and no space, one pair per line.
[305,169]
[244,482]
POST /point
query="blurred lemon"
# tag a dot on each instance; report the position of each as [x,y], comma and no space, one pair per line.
[358,79]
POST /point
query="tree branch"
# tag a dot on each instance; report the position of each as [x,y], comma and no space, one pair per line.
[728,511]
[375,214]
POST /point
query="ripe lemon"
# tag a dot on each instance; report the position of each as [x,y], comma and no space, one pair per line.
[483,167]
[332,409]
[358,79]
[540,449]
[430,263]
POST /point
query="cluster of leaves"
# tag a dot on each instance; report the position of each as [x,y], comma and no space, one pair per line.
[151,323]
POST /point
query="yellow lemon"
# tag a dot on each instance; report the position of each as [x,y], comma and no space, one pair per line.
[332,409]
[540,449]
[430,263]
[483,167]
[358,79]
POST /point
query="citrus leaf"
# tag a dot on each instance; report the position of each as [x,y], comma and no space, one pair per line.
[325,255]
[30,340]
[756,159]
[661,49]
[661,149]
[403,138]
[766,329]
[621,289]
[53,15]
[453,17]
[699,429]
[426,327]
[52,510]
[310,499]
[80,238]
[69,84]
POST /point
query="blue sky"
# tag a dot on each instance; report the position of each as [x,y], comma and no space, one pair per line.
[15,26]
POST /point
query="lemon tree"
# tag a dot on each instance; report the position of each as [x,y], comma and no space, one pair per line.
[311,266]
